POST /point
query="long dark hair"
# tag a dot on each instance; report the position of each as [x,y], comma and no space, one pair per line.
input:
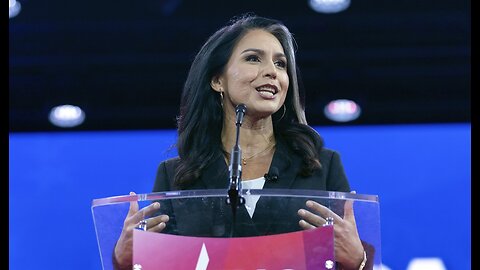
[201,115]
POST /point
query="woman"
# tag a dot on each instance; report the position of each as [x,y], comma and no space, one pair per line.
[250,61]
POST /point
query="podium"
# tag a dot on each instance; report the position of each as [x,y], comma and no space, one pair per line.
[204,233]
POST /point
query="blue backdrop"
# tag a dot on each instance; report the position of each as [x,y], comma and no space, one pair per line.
[421,173]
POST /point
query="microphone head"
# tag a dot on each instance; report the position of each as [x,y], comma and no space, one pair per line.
[240,112]
[241,108]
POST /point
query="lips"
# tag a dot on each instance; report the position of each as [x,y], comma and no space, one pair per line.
[267,89]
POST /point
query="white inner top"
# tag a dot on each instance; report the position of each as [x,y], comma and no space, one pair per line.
[251,200]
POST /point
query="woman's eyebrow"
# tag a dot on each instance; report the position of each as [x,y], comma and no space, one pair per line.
[261,52]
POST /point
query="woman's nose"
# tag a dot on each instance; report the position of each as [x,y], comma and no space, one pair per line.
[269,70]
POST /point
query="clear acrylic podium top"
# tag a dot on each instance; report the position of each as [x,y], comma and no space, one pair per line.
[205,213]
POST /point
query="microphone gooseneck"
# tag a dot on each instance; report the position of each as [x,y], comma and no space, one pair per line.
[235,198]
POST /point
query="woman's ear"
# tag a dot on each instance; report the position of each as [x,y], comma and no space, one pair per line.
[216,84]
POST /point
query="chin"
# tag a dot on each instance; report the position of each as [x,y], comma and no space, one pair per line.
[264,113]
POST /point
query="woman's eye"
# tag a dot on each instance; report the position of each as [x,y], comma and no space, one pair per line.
[252,58]
[281,63]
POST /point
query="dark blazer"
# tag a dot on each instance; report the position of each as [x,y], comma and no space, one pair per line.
[211,217]
[268,217]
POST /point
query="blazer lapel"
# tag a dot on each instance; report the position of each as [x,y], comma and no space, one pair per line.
[286,168]
[268,209]
[215,176]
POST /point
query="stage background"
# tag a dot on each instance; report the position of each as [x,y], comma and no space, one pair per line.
[421,173]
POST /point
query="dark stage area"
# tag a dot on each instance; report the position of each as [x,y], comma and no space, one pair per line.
[124,62]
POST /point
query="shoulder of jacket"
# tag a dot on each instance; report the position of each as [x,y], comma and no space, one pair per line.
[169,163]
[328,154]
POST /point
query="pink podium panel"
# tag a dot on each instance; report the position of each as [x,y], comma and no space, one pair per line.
[308,249]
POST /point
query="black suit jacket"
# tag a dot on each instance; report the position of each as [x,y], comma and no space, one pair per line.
[272,215]
[211,217]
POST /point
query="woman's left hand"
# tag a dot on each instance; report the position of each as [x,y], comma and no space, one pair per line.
[348,246]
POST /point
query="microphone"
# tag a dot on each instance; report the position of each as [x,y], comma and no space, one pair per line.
[272,175]
[235,168]
[240,111]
